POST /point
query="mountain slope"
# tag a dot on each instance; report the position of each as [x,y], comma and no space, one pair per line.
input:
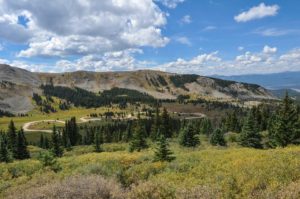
[17,85]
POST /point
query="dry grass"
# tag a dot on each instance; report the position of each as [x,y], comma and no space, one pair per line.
[88,187]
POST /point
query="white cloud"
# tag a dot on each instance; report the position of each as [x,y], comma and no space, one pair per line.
[257,12]
[274,32]
[209,28]
[241,48]
[194,65]
[57,29]
[183,40]
[170,3]
[110,61]
[269,50]
[186,19]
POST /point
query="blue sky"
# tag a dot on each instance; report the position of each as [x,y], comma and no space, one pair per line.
[185,36]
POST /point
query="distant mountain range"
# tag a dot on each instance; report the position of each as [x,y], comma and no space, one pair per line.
[17,85]
[274,81]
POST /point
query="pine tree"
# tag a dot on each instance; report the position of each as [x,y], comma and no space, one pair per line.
[285,127]
[22,151]
[156,124]
[217,138]
[71,131]
[56,147]
[5,154]
[165,124]
[206,127]
[188,136]
[163,152]
[42,141]
[138,141]
[250,136]
[98,141]
[12,139]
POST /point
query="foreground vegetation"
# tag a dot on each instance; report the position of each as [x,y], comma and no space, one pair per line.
[202,172]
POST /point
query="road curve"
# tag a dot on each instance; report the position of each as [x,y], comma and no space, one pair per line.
[26,126]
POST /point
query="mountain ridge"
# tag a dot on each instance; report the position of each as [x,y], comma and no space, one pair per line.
[18,85]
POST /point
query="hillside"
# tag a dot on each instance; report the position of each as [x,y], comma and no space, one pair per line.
[18,85]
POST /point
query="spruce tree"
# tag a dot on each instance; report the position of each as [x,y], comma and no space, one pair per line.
[206,127]
[98,141]
[163,152]
[217,138]
[56,145]
[42,141]
[22,151]
[12,139]
[138,141]
[188,136]
[165,124]
[285,126]
[5,154]
[250,136]
[156,124]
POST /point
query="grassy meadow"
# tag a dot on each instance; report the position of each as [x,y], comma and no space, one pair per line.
[202,172]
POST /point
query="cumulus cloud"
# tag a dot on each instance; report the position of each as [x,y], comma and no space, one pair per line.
[257,12]
[268,49]
[186,19]
[170,3]
[63,28]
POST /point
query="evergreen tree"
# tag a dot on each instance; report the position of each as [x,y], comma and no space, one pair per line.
[5,155]
[250,136]
[285,127]
[56,147]
[217,138]
[188,136]
[12,139]
[163,152]
[155,128]
[72,132]
[22,151]
[138,141]
[206,127]
[98,141]
[165,124]
[42,141]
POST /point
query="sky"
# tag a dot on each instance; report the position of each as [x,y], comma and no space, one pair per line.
[206,37]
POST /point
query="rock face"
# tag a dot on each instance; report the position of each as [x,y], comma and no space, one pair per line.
[17,85]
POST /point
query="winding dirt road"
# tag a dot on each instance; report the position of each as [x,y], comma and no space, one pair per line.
[26,126]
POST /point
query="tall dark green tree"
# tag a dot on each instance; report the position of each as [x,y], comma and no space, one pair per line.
[138,141]
[284,129]
[22,151]
[5,154]
[165,124]
[250,136]
[71,131]
[188,136]
[56,143]
[163,153]
[98,141]
[206,127]
[155,128]
[217,138]
[12,139]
